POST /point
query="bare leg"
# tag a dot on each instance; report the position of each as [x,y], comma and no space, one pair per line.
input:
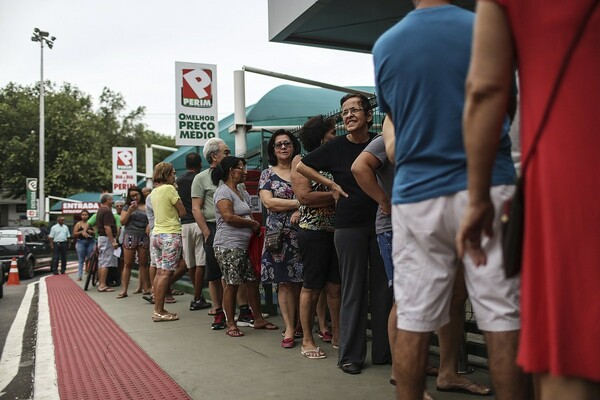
[152,273]
[287,304]
[450,336]
[242,297]
[161,286]
[334,300]
[254,301]
[308,304]
[229,304]
[128,260]
[556,387]
[179,271]
[321,310]
[509,380]
[216,294]
[102,274]
[392,319]
[410,358]
[198,280]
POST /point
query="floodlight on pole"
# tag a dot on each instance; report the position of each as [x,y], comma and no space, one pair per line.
[42,37]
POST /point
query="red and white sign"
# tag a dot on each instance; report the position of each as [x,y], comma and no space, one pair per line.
[196,103]
[124,169]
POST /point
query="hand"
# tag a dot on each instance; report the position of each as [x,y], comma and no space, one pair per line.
[206,234]
[295,218]
[478,218]
[386,208]
[337,192]
[133,205]
[256,227]
[115,245]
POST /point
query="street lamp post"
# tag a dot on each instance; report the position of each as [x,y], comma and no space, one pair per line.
[42,37]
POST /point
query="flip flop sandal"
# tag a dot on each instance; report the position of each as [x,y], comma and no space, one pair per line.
[149,299]
[156,317]
[268,326]
[313,354]
[467,388]
[138,291]
[325,335]
[234,332]
[121,295]
[177,293]
[288,343]
[107,289]
[170,300]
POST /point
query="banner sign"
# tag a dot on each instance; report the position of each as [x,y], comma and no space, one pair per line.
[124,169]
[32,206]
[195,103]
[77,207]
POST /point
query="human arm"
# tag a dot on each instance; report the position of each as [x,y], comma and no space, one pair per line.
[180,208]
[363,170]
[272,203]
[304,192]
[225,208]
[389,137]
[197,204]
[314,175]
[487,96]
[111,238]
[126,213]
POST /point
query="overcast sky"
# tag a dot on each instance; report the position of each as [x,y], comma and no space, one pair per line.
[131,47]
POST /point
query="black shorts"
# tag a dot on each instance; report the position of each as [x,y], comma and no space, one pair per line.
[212,272]
[319,257]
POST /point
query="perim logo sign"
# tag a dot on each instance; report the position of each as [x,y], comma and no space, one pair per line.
[124,159]
[196,88]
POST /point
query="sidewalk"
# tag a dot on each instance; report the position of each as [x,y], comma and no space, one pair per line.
[208,364]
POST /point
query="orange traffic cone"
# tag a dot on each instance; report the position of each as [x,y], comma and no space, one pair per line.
[13,274]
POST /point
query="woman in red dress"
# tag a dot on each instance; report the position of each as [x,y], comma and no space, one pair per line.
[561,272]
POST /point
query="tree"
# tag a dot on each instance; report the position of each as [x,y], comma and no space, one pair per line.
[79,139]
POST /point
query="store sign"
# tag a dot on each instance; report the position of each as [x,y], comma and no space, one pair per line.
[32,206]
[196,103]
[124,169]
[78,207]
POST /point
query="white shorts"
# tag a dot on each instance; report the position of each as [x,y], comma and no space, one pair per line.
[425,263]
[193,245]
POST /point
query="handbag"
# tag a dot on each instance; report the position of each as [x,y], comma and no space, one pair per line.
[274,239]
[513,218]
[255,247]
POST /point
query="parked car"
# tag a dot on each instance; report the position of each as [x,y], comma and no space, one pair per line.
[28,245]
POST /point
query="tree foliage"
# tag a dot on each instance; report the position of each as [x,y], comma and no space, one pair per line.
[78,138]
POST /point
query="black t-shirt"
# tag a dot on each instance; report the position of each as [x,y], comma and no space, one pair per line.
[336,157]
[184,188]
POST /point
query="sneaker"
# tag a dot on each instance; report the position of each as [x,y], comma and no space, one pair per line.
[219,322]
[199,305]
[246,319]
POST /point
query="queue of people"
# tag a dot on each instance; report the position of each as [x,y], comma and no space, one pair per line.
[361,222]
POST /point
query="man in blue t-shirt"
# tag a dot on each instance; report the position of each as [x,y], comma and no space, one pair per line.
[421,65]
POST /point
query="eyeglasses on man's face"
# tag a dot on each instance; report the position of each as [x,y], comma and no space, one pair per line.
[352,111]
[241,168]
[226,152]
[283,144]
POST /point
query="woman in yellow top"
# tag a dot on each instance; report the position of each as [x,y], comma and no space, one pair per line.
[166,240]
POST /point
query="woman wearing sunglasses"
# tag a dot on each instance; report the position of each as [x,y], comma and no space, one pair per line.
[284,266]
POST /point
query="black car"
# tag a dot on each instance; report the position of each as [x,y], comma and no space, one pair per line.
[30,247]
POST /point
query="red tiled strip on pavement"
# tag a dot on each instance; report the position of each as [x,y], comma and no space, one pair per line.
[95,359]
